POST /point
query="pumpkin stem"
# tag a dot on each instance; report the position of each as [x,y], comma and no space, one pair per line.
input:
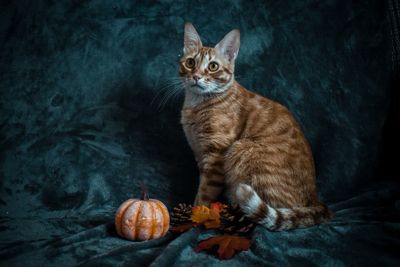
[145,194]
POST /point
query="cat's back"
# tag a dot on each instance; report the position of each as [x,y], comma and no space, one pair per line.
[243,114]
[266,118]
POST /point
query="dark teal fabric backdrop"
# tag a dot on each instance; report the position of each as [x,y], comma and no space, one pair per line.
[83,122]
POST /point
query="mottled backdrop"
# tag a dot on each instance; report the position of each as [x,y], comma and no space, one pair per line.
[84,119]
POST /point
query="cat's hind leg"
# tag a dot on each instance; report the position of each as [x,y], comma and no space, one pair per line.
[253,163]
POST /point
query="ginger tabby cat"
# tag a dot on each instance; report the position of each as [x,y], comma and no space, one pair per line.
[245,144]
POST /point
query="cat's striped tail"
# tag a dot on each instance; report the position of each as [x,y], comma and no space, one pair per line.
[281,218]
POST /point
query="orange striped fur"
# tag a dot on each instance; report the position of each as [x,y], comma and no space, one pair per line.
[245,144]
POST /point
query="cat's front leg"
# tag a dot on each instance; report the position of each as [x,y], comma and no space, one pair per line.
[212,180]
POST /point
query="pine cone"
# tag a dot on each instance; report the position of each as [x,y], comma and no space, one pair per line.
[233,221]
[181,214]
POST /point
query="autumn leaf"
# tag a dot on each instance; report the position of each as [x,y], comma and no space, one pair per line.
[200,214]
[228,245]
[182,228]
[217,206]
[212,224]
[213,219]
[208,216]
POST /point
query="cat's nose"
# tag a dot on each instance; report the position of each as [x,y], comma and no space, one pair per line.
[196,77]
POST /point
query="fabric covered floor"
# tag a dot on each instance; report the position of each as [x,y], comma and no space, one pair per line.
[85,117]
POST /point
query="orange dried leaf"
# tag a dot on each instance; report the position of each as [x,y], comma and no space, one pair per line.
[208,217]
[200,214]
[182,228]
[228,245]
[212,224]
[213,215]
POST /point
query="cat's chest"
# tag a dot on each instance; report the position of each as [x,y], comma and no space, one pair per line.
[208,129]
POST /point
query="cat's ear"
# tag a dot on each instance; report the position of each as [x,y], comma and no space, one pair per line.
[192,42]
[229,46]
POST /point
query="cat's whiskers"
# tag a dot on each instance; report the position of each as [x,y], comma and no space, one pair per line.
[168,91]
[170,95]
[160,90]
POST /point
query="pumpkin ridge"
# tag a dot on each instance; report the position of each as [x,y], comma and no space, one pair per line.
[159,217]
[165,216]
[153,219]
[147,222]
[129,231]
[139,215]
[120,214]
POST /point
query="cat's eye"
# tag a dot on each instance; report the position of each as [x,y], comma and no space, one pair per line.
[213,66]
[190,63]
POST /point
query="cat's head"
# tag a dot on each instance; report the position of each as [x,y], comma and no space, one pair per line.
[207,70]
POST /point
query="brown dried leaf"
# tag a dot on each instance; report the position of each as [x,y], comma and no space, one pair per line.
[228,245]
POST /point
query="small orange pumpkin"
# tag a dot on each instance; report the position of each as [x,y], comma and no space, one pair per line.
[142,219]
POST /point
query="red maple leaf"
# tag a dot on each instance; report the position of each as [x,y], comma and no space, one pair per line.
[228,245]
